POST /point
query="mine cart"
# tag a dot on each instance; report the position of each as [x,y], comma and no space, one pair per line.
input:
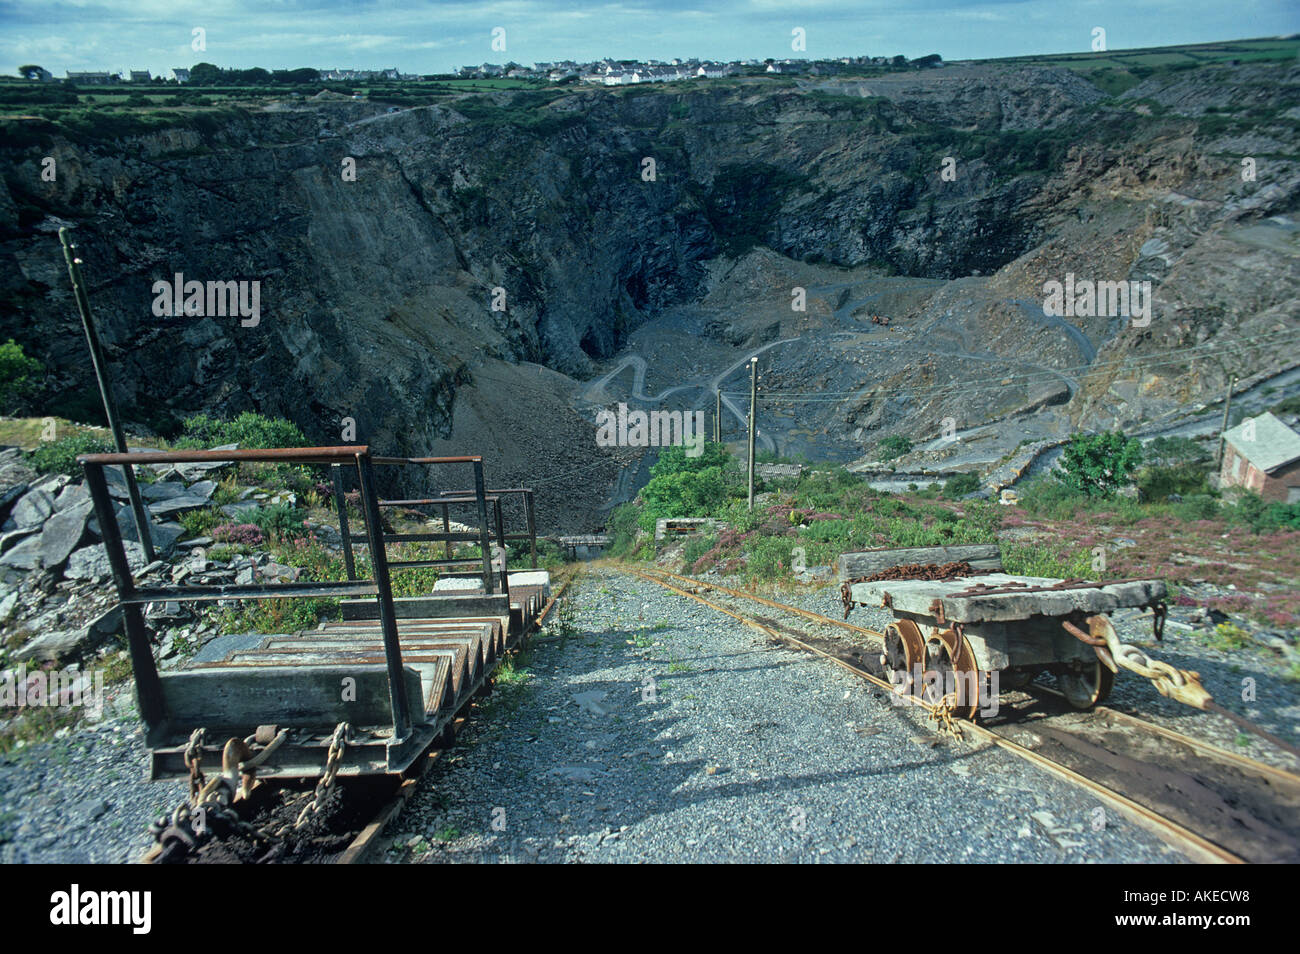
[963,629]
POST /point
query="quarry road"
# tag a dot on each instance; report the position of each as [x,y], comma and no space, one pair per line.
[650,728]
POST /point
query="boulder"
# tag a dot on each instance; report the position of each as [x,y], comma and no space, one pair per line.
[91,563]
[52,646]
[32,510]
[202,488]
[70,496]
[62,533]
[161,508]
[7,540]
[162,490]
[25,556]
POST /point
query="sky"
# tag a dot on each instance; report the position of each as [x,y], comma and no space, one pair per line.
[434,36]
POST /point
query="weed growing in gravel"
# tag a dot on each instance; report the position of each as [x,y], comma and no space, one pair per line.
[1227,637]
[448,833]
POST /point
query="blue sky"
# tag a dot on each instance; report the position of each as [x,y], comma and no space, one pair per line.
[425,36]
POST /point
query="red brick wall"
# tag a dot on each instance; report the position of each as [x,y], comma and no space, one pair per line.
[1278,484]
[1239,472]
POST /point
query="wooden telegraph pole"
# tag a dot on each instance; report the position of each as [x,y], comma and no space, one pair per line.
[110,409]
[1227,406]
[753,401]
[717,416]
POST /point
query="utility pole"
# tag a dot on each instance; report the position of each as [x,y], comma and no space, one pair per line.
[1227,406]
[142,530]
[753,401]
[717,416]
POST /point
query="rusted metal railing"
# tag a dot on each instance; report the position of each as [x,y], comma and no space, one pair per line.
[133,598]
[479,497]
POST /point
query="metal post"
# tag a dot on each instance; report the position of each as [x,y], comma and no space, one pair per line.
[753,400]
[148,687]
[446,528]
[387,611]
[717,416]
[341,502]
[142,529]
[483,534]
[532,525]
[1227,406]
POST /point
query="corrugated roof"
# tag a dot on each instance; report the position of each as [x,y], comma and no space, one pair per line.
[1274,445]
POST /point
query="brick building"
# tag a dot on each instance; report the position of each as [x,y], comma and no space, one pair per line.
[1262,454]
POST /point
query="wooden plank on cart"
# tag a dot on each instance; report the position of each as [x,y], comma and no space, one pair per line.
[303,696]
[1013,597]
[981,556]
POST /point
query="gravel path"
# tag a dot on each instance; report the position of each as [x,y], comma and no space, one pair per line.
[655,729]
[82,796]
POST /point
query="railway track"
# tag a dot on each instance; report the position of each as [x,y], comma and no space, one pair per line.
[348,826]
[363,841]
[1213,805]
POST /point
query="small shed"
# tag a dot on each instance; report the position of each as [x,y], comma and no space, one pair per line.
[1262,454]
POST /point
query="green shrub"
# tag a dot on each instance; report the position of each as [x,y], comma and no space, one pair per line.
[682,486]
[697,546]
[960,485]
[1196,507]
[60,457]
[895,445]
[248,430]
[1027,559]
[621,527]
[199,523]
[1175,450]
[17,374]
[1157,483]
[277,518]
[1099,464]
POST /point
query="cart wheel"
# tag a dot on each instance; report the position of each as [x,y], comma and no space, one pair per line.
[904,651]
[1088,688]
[1015,678]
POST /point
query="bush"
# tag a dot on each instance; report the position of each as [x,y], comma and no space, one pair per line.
[60,457]
[1175,450]
[248,430]
[1157,483]
[682,486]
[895,445]
[621,528]
[16,376]
[1099,464]
[276,519]
[1261,517]
[1021,559]
[242,534]
[960,485]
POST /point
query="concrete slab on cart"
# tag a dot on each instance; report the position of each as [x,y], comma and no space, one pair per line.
[918,597]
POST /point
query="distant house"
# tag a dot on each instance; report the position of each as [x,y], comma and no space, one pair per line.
[141,76]
[1262,454]
[182,75]
[92,79]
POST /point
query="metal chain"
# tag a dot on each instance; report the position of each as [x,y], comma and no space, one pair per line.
[193,759]
[326,784]
[1182,685]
